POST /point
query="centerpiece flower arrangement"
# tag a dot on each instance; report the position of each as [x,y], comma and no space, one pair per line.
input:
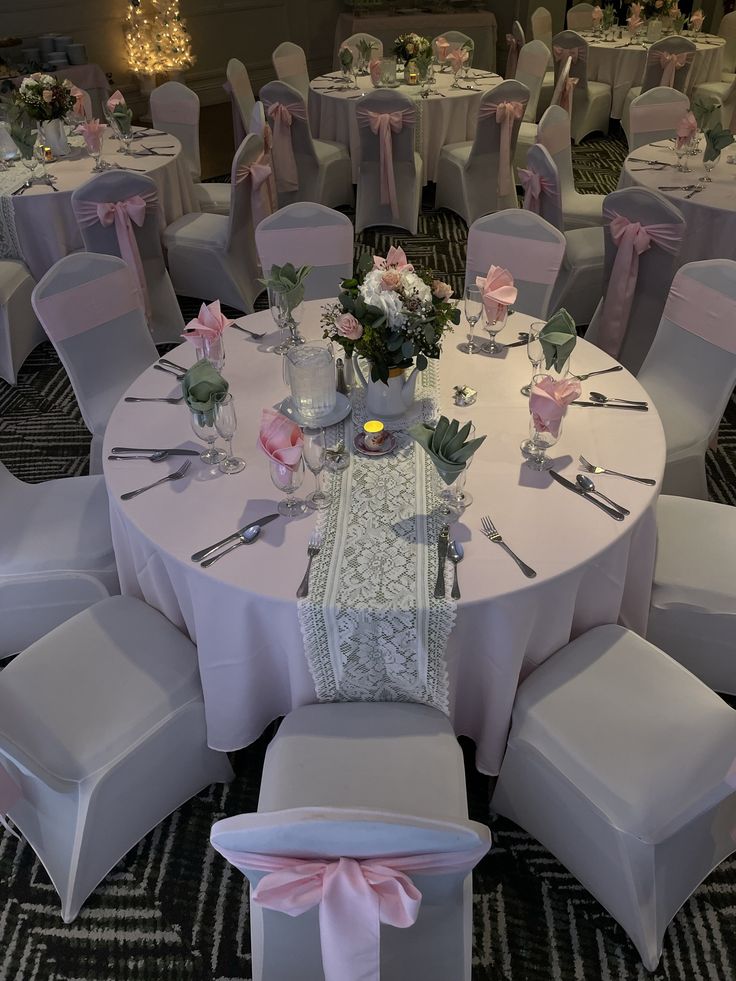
[410,46]
[44,97]
[391,314]
[662,8]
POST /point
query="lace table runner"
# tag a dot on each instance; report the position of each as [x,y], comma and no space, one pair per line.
[10,180]
[372,629]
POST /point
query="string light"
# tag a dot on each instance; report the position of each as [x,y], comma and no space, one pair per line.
[156,37]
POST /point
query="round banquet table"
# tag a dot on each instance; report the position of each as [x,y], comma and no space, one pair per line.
[710,214]
[441,119]
[39,226]
[621,65]
[242,611]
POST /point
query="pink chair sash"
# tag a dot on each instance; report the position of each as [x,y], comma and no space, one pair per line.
[81,308]
[354,898]
[10,793]
[504,113]
[566,96]
[631,239]
[574,54]
[534,184]
[384,125]
[283,114]
[669,62]
[701,310]
[262,199]
[238,127]
[124,214]
[512,59]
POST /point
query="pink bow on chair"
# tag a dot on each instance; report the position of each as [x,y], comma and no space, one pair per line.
[384,124]
[534,184]
[566,96]
[631,239]
[505,114]
[512,59]
[262,199]
[669,62]
[574,54]
[287,175]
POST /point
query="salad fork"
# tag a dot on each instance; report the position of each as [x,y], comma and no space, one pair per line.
[592,468]
[313,549]
[176,475]
[491,533]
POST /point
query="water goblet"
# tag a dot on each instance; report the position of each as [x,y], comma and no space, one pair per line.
[456,499]
[494,325]
[277,312]
[709,165]
[226,423]
[534,352]
[203,426]
[315,458]
[473,313]
[289,480]
[30,163]
[541,438]
[680,153]
[94,149]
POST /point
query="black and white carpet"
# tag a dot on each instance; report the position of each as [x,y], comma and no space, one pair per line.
[173,910]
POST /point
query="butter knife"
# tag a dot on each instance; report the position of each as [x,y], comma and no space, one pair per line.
[171,450]
[205,552]
[610,405]
[581,493]
[442,545]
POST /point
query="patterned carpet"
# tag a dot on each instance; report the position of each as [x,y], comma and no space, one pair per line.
[173,911]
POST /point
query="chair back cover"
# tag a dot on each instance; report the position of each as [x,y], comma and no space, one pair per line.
[564,89]
[353,41]
[668,63]
[134,242]
[654,115]
[386,125]
[500,113]
[628,338]
[553,133]
[175,110]
[241,246]
[580,17]
[242,99]
[569,44]
[530,71]
[309,234]
[525,244]
[290,65]
[727,29]
[266,200]
[88,306]
[515,41]
[456,39]
[541,21]
[541,182]
[293,153]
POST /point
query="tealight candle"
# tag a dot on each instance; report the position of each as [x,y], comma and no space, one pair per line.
[373,434]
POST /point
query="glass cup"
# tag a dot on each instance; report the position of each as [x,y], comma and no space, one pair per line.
[211,349]
[709,165]
[226,423]
[287,309]
[314,457]
[94,149]
[203,426]
[540,439]
[456,499]
[493,327]
[534,352]
[30,163]
[289,480]
[681,154]
[473,313]
[310,374]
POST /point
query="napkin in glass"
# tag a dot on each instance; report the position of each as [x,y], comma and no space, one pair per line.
[558,338]
[203,387]
[446,446]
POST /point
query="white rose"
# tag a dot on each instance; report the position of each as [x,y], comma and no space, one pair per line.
[412,284]
[386,300]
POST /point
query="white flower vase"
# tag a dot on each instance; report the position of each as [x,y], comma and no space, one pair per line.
[388,400]
[54,136]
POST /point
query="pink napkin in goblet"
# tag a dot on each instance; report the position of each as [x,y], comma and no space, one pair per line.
[209,323]
[374,67]
[634,22]
[696,20]
[280,439]
[457,58]
[116,99]
[597,15]
[549,400]
[92,133]
[686,129]
[498,291]
[441,47]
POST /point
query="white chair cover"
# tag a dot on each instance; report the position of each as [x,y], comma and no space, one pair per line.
[20,332]
[175,110]
[93,316]
[290,65]
[564,91]
[530,71]
[390,179]
[138,244]
[103,733]
[265,199]
[456,39]
[306,169]
[721,94]
[309,234]
[553,133]
[471,177]
[515,41]
[668,65]
[690,370]
[591,102]
[242,99]
[541,21]
[628,338]
[580,17]
[352,42]
[727,30]
[654,115]
[213,257]
[529,247]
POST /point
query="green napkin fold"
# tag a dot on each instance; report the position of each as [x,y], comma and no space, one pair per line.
[446,445]
[558,338]
[123,117]
[203,387]
[716,139]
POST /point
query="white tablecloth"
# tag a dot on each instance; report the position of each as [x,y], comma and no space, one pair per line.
[621,65]
[441,119]
[242,611]
[39,226]
[710,214]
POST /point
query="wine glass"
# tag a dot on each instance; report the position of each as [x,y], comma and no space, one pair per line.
[494,326]
[30,163]
[226,423]
[534,352]
[473,313]
[709,165]
[203,426]
[454,495]
[681,154]
[541,437]
[314,457]
[276,308]
[94,149]
[288,480]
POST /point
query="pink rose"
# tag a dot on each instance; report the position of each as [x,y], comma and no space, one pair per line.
[48,95]
[391,279]
[659,4]
[348,326]
[443,291]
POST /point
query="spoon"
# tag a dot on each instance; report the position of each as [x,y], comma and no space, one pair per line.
[599,397]
[455,553]
[589,487]
[246,537]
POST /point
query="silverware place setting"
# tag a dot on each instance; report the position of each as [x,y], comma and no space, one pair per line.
[603,399]
[237,537]
[246,330]
[582,480]
[455,553]
[147,451]
[576,489]
[592,468]
[695,190]
[169,371]
[612,405]
[176,475]
[313,549]
[601,371]
[492,534]
[172,364]
[678,187]
[443,544]
[171,401]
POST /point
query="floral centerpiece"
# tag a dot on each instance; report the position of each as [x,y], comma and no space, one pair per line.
[47,100]
[410,46]
[662,8]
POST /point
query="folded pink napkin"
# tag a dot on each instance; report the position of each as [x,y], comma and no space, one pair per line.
[686,129]
[92,133]
[457,58]
[634,22]
[395,259]
[374,67]
[597,15]
[696,19]
[209,322]
[441,47]
[79,100]
[280,439]
[498,291]
[548,402]
[635,9]
[116,99]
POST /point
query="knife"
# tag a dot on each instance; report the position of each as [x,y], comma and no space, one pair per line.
[610,405]
[198,556]
[174,450]
[442,545]
[581,493]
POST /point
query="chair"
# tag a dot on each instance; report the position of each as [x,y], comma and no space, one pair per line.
[290,65]
[579,285]
[721,95]
[727,30]
[690,370]
[530,72]
[553,133]
[620,762]
[580,17]
[525,244]
[456,39]
[654,115]
[213,257]
[357,784]
[264,201]
[475,179]
[591,101]
[20,332]
[94,317]
[637,285]
[354,39]
[390,179]
[515,41]
[668,64]
[175,110]
[541,22]
[309,234]
[130,226]
[306,169]
[242,99]
[102,731]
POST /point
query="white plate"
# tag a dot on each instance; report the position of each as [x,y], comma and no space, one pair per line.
[341,410]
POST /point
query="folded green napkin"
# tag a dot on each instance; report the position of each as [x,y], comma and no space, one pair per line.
[716,139]
[203,387]
[123,117]
[558,338]
[446,445]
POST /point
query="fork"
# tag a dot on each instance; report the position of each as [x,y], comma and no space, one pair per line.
[169,371]
[592,468]
[176,475]
[313,548]
[489,530]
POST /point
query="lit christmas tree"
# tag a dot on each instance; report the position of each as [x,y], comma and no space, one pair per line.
[156,38]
